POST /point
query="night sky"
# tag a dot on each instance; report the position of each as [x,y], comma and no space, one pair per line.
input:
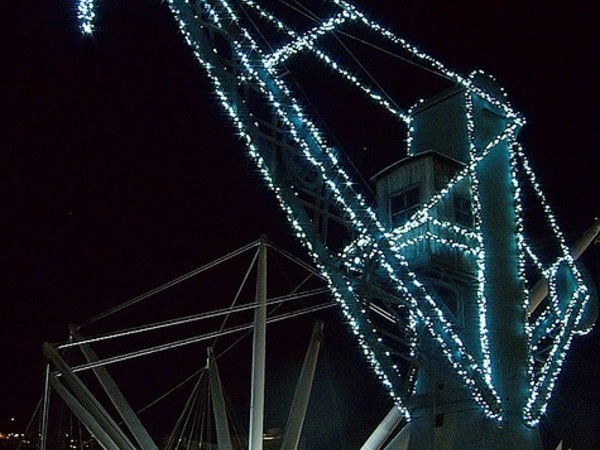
[120,172]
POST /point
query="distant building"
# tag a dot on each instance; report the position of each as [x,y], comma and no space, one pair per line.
[11,440]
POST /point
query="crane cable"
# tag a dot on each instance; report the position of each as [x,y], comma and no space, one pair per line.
[237,294]
[169,284]
[312,16]
[196,339]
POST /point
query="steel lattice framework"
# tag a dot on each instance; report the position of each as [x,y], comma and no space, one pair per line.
[388,305]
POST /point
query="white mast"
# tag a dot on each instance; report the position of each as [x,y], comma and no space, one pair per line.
[257,400]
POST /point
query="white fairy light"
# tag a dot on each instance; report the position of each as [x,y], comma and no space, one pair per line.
[375,242]
[86,14]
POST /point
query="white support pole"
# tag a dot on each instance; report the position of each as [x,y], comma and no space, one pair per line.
[293,429]
[401,440]
[384,430]
[86,399]
[130,418]
[45,410]
[218,403]
[98,431]
[257,400]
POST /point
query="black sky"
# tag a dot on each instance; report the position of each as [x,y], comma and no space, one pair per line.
[119,170]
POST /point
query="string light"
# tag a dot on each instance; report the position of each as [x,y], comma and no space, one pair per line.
[86,14]
[475,195]
[390,248]
[306,43]
[364,220]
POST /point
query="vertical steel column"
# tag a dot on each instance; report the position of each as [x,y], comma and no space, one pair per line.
[257,400]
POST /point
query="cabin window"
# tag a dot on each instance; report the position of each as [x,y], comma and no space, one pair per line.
[404,204]
[463,213]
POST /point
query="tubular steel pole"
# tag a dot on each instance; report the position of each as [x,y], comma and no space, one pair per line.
[116,397]
[99,432]
[257,400]
[218,403]
[293,430]
[45,410]
[86,399]
[384,430]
